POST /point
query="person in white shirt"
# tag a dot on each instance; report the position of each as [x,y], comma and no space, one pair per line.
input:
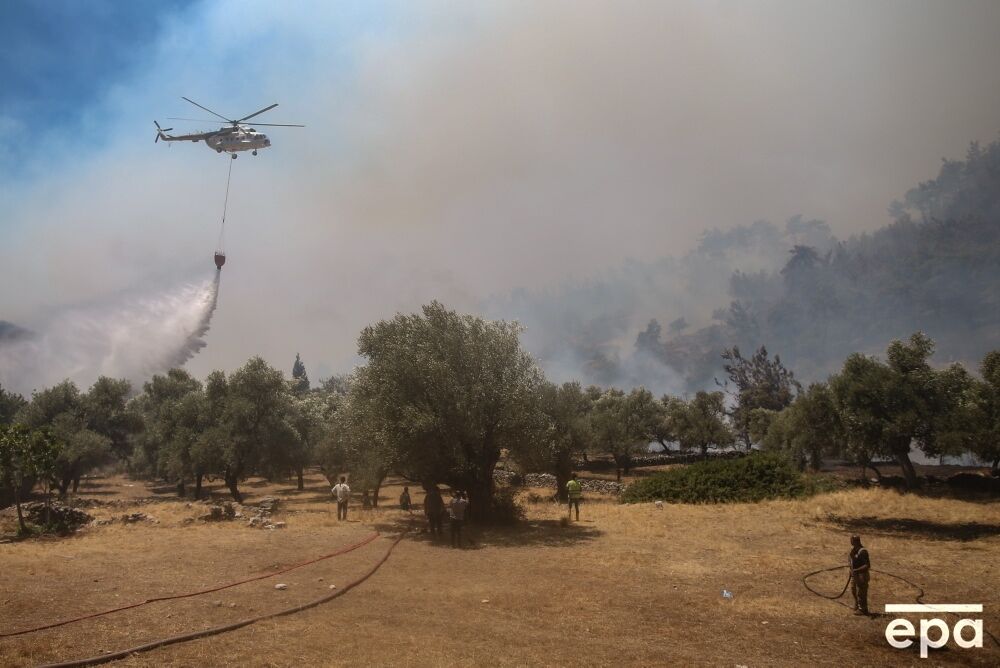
[457,509]
[342,493]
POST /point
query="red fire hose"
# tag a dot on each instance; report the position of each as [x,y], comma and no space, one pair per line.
[104,658]
[343,550]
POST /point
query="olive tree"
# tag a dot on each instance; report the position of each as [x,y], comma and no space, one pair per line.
[887,407]
[624,424]
[25,455]
[60,412]
[806,431]
[700,422]
[251,415]
[566,429]
[446,392]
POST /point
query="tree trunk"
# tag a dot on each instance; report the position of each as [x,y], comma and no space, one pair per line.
[180,488]
[901,450]
[76,484]
[816,460]
[563,469]
[197,486]
[20,517]
[481,499]
[64,484]
[996,466]
[48,503]
[302,484]
[232,482]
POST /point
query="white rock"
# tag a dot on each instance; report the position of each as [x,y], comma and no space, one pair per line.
[333,586]
[281,586]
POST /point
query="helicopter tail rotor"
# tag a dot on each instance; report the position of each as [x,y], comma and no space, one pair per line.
[160,131]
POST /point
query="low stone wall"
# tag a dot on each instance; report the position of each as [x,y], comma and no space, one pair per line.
[548,480]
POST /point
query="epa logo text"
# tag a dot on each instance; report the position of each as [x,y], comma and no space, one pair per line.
[900,632]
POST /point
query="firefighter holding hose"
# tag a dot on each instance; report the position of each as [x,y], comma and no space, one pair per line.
[860,566]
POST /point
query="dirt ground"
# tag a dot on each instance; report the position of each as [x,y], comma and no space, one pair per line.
[625,585]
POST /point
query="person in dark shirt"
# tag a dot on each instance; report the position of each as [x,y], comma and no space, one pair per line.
[860,574]
[434,510]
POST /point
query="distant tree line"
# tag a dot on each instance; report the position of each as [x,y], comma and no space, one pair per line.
[442,397]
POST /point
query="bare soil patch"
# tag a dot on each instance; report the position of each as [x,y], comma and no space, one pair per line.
[625,585]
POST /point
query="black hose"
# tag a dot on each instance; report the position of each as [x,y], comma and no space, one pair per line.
[918,599]
[185,637]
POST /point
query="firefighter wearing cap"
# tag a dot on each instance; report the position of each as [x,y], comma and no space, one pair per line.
[574,491]
[860,565]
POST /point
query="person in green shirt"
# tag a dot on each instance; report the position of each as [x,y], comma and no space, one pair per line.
[574,492]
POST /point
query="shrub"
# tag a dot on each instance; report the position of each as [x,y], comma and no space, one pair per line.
[755,477]
[506,509]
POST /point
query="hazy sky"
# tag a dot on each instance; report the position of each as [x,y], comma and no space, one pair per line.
[453,150]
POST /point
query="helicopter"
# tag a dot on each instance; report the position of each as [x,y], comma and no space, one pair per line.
[236,137]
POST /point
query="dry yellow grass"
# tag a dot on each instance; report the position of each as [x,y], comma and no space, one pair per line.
[626,585]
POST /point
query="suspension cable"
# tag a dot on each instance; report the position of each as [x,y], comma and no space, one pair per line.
[225,207]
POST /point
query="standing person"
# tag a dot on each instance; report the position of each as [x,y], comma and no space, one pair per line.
[434,510]
[457,509]
[574,492]
[860,574]
[404,500]
[342,493]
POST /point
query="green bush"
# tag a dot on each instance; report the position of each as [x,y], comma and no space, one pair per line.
[506,509]
[755,477]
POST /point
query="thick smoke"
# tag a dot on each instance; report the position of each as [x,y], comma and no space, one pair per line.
[600,330]
[461,150]
[134,338]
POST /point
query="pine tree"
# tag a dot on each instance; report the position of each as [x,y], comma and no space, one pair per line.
[300,379]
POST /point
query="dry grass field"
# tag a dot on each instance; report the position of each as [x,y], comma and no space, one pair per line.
[625,585]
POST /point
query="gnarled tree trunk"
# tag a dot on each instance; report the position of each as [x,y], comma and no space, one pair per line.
[901,451]
[232,482]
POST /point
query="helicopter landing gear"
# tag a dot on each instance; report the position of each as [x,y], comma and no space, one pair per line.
[234,156]
[254,152]
[218,150]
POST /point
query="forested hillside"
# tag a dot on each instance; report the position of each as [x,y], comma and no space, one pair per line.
[799,291]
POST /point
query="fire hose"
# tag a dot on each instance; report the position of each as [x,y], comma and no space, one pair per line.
[114,656]
[918,599]
[343,550]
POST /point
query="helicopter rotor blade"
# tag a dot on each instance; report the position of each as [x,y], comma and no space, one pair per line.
[228,120]
[280,125]
[195,120]
[257,113]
